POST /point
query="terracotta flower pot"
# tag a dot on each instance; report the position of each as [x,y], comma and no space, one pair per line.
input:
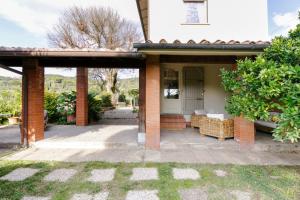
[13,120]
[71,118]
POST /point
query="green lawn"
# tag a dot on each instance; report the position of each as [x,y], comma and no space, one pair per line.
[254,179]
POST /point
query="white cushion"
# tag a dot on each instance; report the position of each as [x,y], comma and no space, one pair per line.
[200,112]
[216,116]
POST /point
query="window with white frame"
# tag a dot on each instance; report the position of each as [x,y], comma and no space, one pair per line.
[196,11]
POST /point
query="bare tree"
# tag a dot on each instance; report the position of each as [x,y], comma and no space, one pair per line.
[95,27]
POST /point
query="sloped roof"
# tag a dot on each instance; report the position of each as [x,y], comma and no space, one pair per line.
[204,47]
[57,57]
[142,6]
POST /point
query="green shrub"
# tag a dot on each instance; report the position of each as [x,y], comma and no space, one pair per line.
[66,103]
[95,105]
[50,103]
[10,102]
[106,100]
[269,83]
[122,97]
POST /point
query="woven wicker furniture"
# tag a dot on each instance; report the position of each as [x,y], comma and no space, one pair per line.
[220,129]
[195,120]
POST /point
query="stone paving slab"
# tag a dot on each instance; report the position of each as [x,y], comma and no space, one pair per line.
[193,194]
[84,196]
[189,155]
[142,195]
[143,174]
[20,174]
[241,195]
[187,173]
[220,173]
[35,198]
[60,175]
[102,175]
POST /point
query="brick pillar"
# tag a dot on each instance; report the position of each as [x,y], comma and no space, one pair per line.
[82,97]
[244,131]
[35,100]
[152,102]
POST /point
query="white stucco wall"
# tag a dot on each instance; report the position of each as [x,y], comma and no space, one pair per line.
[214,94]
[231,19]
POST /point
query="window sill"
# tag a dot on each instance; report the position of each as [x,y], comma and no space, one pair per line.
[201,24]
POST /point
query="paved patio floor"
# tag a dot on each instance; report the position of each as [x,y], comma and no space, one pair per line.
[116,141]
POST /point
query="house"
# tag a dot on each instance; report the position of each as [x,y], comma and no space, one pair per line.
[187,42]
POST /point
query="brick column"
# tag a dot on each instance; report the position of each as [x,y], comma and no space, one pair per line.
[244,131]
[35,100]
[152,102]
[82,97]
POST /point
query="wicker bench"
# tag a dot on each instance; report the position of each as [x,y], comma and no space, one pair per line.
[195,120]
[220,129]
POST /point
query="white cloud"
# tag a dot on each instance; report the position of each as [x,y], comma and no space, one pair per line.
[285,22]
[38,16]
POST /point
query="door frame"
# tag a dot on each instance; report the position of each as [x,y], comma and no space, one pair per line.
[180,85]
[183,85]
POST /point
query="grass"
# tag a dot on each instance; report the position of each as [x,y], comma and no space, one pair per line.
[254,179]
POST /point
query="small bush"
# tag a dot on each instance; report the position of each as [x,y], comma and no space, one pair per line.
[106,100]
[50,103]
[66,103]
[95,105]
[122,97]
[10,102]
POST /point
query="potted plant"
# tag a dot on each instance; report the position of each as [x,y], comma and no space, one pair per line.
[66,105]
[14,117]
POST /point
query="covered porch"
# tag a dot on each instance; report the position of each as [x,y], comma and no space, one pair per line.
[151,60]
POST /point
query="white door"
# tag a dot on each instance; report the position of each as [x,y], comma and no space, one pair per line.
[193,89]
[170,94]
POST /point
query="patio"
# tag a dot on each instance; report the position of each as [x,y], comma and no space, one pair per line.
[122,134]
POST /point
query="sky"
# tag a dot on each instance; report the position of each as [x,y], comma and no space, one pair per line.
[25,23]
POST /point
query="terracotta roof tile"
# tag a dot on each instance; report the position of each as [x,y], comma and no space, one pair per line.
[219,42]
[204,41]
[191,42]
[163,41]
[233,42]
[176,42]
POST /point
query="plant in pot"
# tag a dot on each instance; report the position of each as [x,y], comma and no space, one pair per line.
[66,105]
[10,106]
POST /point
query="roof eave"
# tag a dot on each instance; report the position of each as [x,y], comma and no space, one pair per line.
[141,19]
[200,49]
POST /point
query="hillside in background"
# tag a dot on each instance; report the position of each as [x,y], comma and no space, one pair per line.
[58,84]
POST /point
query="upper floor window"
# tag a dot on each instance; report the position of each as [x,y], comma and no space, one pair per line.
[196,11]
